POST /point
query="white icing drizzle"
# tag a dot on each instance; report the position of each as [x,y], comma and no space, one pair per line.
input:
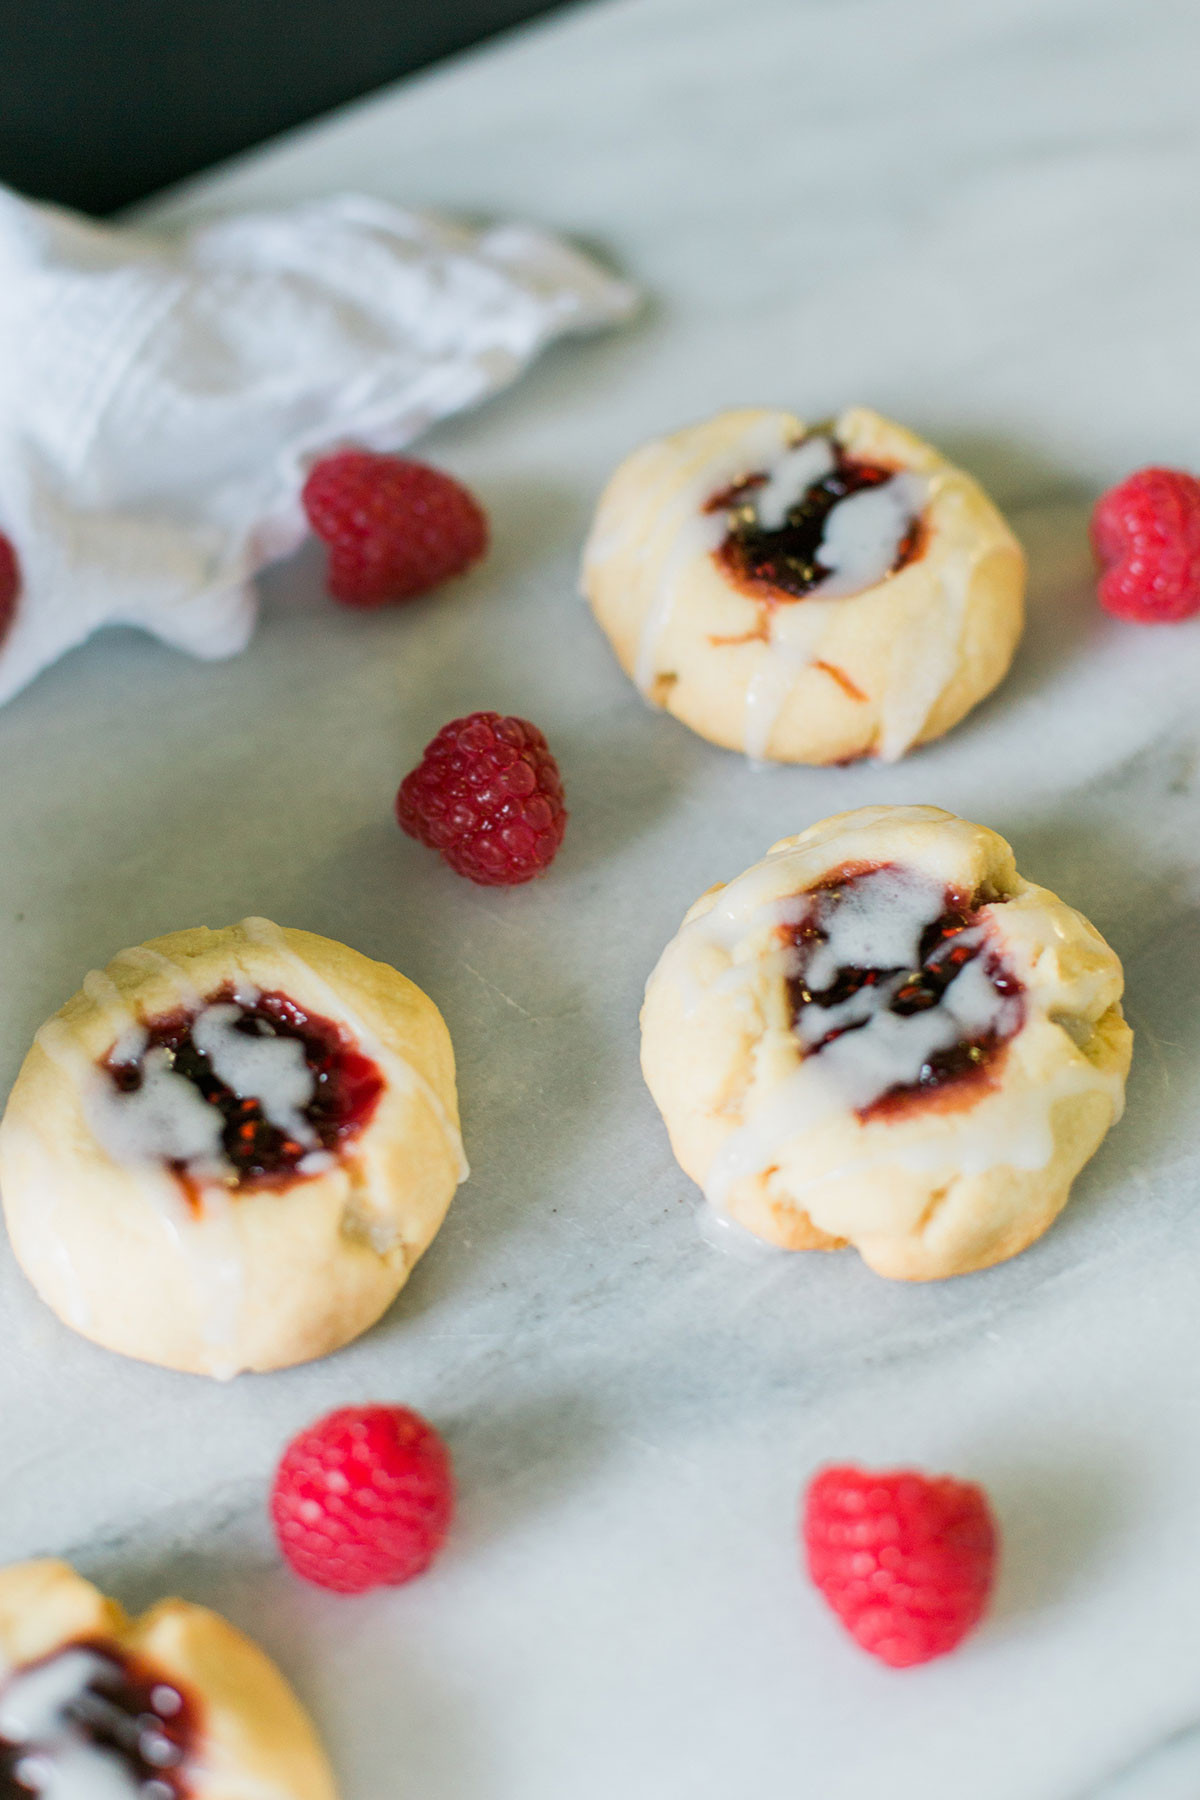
[57,1041]
[725,1235]
[863,534]
[75,1770]
[213,1250]
[690,532]
[62,1046]
[107,997]
[799,468]
[273,1069]
[878,923]
[859,545]
[104,993]
[620,533]
[794,645]
[32,1702]
[141,956]
[700,535]
[924,660]
[887,1050]
[398,1068]
[165,1119]
[60,1761]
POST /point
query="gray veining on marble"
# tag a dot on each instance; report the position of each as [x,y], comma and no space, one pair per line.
[982,219]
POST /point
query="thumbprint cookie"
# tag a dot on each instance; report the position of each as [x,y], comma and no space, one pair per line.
[228,1150]
[175,1705]
[805,594]
[881,1035]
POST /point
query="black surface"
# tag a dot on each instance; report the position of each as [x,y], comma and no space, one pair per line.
[102,101]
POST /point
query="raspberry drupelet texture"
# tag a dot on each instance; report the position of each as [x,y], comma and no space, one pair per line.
[905,1560]
[395,528]
[363,1498]
[487,793]
[1146,533]
[10,585]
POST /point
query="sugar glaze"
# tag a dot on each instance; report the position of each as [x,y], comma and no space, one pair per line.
[731,953]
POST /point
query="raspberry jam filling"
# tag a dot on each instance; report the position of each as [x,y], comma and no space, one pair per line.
[821,520]
[242,1090]
[89,1720]
[899,985]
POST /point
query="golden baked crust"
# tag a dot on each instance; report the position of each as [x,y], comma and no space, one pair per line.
[255,1739]
[928,1190]
[260,1278]
[813,680]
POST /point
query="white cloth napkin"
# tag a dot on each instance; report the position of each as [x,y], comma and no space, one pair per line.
[161,396]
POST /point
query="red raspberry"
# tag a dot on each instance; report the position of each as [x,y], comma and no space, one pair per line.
[905,1560]
[1147,531]
[10,585]
[363,1498]
[487,793]
[394,528]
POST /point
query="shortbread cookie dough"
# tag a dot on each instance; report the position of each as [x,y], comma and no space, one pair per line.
[176,1705]
[229,1149]
[805,594]
[881,1035]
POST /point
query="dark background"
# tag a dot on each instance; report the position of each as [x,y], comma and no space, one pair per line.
[102,101]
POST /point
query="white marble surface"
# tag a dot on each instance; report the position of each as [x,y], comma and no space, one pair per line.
[980,218]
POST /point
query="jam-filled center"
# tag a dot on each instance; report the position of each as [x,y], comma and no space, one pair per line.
[899,986]
[89,1720]
[245,1089]
[820,521]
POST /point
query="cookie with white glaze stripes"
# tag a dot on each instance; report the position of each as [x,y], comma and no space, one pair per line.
[882,1035]
[228,1150]
[805,594]
[175,1705]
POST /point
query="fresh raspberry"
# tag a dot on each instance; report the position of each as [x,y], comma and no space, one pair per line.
[394,528]
[487,793]
[1147,533]
[363,1498]
[905,1560]
[10,585]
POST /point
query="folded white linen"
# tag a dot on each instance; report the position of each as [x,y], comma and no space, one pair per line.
[162,395]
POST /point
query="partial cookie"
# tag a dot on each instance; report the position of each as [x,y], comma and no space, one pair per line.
[881,1035]
[228,1150]
[176,1705]
[805,594]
